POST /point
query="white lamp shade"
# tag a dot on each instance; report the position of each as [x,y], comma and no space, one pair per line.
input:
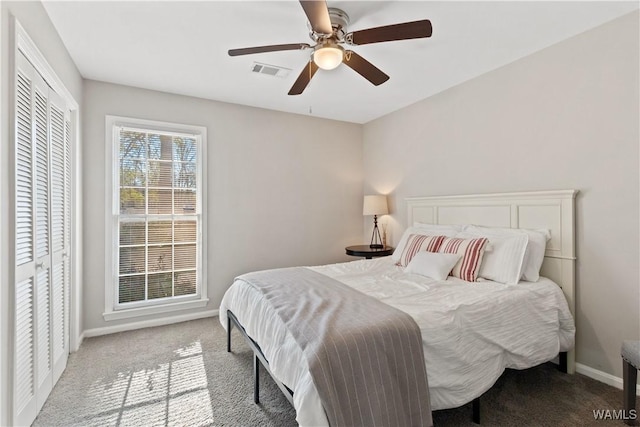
[328,58]
[375,205]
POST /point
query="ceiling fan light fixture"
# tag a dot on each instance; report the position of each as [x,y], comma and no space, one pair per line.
[328,30]
[328,57]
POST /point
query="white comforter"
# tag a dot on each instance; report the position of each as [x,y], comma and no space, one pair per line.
[471,332]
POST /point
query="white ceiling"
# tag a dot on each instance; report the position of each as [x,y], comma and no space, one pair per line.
[181,47]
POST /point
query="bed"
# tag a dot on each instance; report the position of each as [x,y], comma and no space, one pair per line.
[470,332]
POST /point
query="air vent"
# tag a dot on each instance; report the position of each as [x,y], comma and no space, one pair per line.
[270,70]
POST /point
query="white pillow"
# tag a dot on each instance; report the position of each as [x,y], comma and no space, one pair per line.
[534,254]
[417,243]
[425,230]
[432,264]
[504,262]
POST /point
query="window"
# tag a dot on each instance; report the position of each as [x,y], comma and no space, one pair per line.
[156,224]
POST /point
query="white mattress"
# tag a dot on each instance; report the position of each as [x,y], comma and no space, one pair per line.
[471,331]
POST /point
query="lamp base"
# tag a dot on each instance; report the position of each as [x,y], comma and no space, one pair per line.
[376,241]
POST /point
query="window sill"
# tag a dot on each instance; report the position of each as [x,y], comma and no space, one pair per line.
[156,309]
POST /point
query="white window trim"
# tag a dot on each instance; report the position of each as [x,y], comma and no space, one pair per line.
[110,311]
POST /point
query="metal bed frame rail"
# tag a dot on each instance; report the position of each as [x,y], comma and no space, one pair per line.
[258,358]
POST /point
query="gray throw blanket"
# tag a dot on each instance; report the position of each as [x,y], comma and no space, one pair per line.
[365,357]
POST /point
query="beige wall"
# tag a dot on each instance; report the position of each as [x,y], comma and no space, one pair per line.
[36,23]
[282,189]
[565,117]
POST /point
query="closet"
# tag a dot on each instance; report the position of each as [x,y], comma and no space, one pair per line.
[42,211]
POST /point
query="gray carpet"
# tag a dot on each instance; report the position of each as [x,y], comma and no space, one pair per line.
[182,375]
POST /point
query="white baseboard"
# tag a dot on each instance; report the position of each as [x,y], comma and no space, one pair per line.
[603,377]
[78,343]
[148,323]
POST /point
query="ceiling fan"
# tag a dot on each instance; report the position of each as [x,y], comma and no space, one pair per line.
[328,29]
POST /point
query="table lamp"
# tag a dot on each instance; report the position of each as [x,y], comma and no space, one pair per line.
[375,205]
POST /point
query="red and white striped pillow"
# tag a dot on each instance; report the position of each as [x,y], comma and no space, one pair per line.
[471,251]
[417,243]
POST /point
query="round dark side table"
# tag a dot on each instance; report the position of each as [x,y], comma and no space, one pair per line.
[367,252]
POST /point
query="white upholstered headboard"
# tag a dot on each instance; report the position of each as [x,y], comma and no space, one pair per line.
[553,210]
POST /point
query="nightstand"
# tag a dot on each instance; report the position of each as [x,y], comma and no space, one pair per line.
[367,252]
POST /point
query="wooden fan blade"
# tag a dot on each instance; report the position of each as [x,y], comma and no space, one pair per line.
[304,78]
[404,31]
[365,68]
[318,15]
[271,48]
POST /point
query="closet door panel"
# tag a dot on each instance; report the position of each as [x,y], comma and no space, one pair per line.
[59,232]
[25,292]
[42,200]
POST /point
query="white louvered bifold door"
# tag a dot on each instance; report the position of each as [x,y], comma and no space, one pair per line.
[42,240]
[59,231]
[41,287]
